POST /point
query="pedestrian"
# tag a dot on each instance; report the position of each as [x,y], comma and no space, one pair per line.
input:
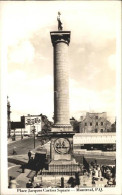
[29,184]
[12,183]
[14,150]
[93,182]
[29,154]
[37,185]
[23,168]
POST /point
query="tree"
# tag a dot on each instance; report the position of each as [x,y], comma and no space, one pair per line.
[113,127]
[46,128]
[46,124]
[75,124]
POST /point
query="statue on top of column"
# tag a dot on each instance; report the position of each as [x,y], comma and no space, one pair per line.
[59,22]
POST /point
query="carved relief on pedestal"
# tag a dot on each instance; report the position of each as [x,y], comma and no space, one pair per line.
[62,145]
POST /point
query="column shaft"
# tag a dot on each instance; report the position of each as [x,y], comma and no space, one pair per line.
[61,83]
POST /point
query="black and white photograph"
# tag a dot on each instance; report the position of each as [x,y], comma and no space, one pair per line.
[60,105]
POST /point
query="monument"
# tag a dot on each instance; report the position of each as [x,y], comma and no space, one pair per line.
[62,160]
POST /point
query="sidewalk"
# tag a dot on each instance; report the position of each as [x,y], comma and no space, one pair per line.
[55,181]
[18,159]
[22,179]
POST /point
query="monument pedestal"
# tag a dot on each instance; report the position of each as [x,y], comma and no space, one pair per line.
[64,167]
[62,161]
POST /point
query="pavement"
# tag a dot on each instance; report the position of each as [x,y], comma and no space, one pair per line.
[16,170]
[55,181]
[18,159]
[15,162]
[22,179]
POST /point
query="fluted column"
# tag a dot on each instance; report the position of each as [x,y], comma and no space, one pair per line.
[60,41]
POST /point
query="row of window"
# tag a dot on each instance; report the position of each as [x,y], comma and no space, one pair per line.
[101,130]
[96,124]
[96,130]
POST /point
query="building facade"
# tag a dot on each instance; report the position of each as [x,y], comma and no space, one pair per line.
[27,124]
[95,123]
[33,120]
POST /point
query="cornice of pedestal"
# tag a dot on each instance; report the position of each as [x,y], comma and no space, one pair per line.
[60,36]
[62,125]
[61,128]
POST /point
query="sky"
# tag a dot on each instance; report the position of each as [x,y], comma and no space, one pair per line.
[92,55]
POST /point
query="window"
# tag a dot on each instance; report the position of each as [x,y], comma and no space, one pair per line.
[96,130]
[101,123]
[101,130]
[90,124]
[85,124]
[96,123]
[96,117]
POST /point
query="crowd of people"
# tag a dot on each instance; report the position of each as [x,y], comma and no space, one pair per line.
[101,172]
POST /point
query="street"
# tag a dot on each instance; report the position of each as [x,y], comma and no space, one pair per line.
[14,171]
[23,146]
[15,161]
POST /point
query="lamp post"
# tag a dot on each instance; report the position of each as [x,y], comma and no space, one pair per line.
[33,131]
[14,135]
[21,134]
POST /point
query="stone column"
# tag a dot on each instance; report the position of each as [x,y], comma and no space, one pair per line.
[60,41]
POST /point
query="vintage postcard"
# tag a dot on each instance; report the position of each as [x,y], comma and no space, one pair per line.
[60,97]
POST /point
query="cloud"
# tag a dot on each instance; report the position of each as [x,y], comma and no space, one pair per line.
[22,53]
[33,55]
[16,76]
[88,19]
[31,96]
[88,99]
[92,64]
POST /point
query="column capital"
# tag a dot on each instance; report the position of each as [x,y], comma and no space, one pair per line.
[60,36]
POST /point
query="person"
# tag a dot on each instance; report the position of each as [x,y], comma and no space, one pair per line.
[29,154]
[12,182]
[23,168]
[29,184]
[93,182]
[37,185]
[14,150]
[10,178]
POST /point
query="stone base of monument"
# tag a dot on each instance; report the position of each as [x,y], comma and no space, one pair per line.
[62,167]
